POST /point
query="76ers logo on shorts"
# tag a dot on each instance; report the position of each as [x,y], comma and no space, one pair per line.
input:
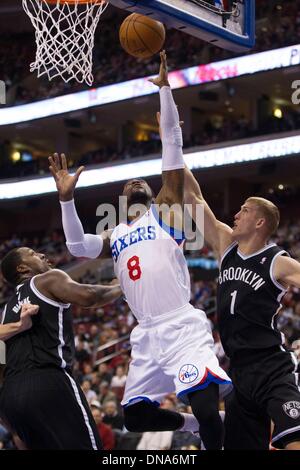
[188,373]
[292,409]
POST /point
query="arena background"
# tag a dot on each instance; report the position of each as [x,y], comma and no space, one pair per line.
[251,108]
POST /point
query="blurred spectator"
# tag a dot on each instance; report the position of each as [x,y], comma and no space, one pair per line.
[105,394]
[104,373]
[105,432]
[87,371]
[119,380]
[81,354]
[94,336]
[90,395]
[112,416]
[95,381]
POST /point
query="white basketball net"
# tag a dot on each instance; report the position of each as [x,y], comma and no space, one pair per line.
[64,35]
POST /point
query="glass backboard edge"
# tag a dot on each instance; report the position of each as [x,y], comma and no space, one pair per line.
[203,29]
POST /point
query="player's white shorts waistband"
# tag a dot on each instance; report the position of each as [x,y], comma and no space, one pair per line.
[149,321]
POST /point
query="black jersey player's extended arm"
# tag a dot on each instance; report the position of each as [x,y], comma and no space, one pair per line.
[57,285]
[11,329]
[286,270]
[217,234]
[171,137]
[80,244]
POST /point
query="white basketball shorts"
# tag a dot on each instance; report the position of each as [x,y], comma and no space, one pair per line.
[173,353]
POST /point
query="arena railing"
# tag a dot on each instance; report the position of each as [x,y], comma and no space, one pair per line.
[115,342]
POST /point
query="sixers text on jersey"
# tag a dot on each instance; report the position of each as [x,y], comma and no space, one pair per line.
[138,235]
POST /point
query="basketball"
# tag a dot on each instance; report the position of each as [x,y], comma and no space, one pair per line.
[141,36]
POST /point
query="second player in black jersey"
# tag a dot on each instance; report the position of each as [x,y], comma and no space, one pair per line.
[40,401]
[253,278]
[248,300]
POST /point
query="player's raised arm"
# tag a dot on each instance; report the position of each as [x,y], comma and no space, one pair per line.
[79,244]
[286,271]
[216,233]
[59,286]
[171,137]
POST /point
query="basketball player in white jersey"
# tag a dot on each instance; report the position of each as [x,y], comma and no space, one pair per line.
[172,346]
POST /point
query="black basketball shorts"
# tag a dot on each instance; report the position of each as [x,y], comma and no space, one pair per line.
[48,410]
[264,391]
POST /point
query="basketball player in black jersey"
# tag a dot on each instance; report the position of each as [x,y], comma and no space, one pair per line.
[254,276]
[40,400]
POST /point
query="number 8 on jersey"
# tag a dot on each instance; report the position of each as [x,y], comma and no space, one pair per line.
[134,269]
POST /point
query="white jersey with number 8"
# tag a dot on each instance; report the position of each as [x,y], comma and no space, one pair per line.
[172,346]
[150,265]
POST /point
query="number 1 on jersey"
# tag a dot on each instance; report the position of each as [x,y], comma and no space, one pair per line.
[233,295]
[134,269]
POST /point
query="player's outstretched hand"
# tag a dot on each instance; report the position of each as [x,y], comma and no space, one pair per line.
[26,313]
[162,79]
[65,182]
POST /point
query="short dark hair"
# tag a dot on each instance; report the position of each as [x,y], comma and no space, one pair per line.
[9,266]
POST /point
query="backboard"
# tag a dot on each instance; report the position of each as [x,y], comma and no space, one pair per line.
[229,24]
